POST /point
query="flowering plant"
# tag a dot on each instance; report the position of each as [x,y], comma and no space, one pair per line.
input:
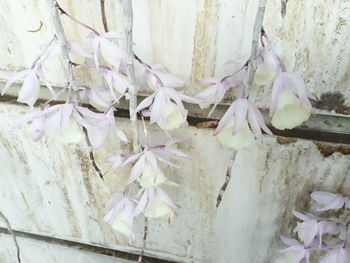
[322,239]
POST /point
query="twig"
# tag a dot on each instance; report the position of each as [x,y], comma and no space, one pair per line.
[227,179]
[128,16]
[145,233]
[63,12]
[103,15]
[42,53]
[258,26]
[13,236]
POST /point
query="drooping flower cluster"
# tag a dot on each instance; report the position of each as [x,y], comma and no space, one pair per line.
[323,238]
[290,105]
[152,201]
[65,112]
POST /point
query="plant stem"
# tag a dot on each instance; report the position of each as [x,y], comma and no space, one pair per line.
[128,16]
[150,70]
[103,15]
[55,10]
[63,12]
[62,40]
[254,53]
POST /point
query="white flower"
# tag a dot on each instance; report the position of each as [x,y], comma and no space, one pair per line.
[290,105]
[268,64]
[242,139]
[215,92]
[121,223]
[120,214]
[172,118]
[149,178]
[295,252]
[158,208]
[233,129]
[154,202]
[336,255]
[290,112]
[264,73]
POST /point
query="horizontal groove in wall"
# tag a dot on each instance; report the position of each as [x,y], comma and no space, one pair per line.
[320,127]
[87,247]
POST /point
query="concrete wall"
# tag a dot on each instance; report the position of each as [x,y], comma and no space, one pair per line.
[51,188]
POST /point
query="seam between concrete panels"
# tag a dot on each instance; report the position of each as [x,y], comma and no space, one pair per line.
[319,127]
[87,247]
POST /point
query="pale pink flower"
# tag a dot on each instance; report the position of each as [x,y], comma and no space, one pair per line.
[215,92]
[155,202]
[290,105]
[98,125]
[336,255]
[149,157]
[166,108]
[120,214]
[30,89]
[330,200]
[168,79]
[103,45]
[99,97]
[235,121]
[296,251]
[268,63]
[313,226]
[116,81]
[54,50]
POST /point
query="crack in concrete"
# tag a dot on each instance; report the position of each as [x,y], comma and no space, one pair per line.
[11,232]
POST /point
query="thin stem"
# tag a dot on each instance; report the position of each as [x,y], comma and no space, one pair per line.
[145,233]
[62,40]
[63,12]
[254,54]
[44,51]
[150,70]
[8,225]
[235,72]
[128,16]
[103,15]
[55,10]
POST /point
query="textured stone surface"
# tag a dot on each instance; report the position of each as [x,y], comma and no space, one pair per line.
[51,188]
[33,251]
[195,38]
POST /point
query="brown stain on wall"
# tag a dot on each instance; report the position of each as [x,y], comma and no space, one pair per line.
[332,101]
[327,149]
[285,141]
[204,49]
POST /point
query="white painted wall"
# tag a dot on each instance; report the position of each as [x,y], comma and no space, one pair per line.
[51,188]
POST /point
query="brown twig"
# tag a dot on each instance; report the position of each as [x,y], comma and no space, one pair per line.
[103,15]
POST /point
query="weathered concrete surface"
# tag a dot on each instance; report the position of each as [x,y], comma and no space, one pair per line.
[34,251]
[195,38]
[51,188]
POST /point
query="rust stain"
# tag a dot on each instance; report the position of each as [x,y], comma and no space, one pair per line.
[285,141]
[207,124]
[332,101]
[327,149]
[341,22]
[204,53]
